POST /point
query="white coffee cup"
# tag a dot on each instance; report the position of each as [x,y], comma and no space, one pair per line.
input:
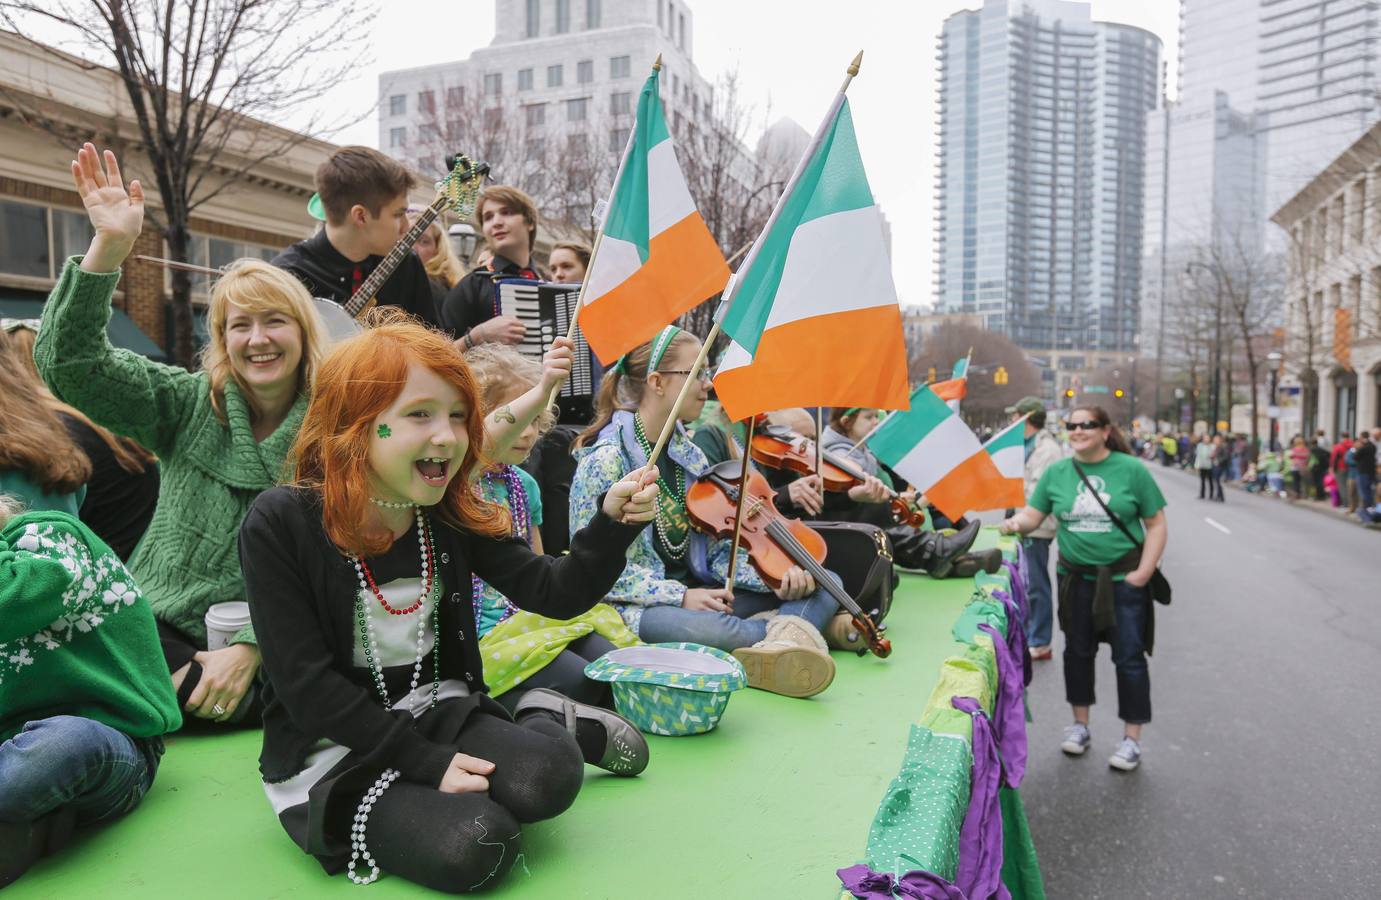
[223,620]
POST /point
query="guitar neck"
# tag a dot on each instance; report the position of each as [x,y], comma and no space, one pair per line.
[371,286]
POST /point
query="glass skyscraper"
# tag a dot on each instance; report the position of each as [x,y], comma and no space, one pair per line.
[1042,155]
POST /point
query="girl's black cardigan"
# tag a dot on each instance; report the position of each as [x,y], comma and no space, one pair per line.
[302,590]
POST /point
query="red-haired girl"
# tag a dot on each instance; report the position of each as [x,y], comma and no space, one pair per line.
[381,747]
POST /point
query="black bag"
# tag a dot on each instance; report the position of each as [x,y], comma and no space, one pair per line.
[1159,585]
[861,555]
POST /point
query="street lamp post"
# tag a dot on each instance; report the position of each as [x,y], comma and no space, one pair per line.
[1274,358]
[1217,337]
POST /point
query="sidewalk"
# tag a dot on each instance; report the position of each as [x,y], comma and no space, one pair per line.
[1318,506]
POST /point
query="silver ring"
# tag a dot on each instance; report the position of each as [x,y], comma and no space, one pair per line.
[218,710]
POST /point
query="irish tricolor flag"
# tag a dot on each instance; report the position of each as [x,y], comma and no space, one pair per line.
[1008,451]
[956,387]
[813,312]
[932,448]
[656,258]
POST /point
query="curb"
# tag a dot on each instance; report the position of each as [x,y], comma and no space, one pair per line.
[1317,507]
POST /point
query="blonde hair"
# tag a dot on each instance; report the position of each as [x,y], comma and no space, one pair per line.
[256,286]
[502,374]
[10,506]
[443,266]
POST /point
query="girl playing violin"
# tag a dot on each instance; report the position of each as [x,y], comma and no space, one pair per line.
[381,747]
[672,588]
[523,650]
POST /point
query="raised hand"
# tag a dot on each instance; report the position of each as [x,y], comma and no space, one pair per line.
[634,498]
[117,215]
[556,364]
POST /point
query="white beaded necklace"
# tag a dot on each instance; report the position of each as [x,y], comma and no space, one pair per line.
[392,504]
[358,846]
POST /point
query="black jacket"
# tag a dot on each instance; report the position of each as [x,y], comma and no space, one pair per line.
[301,591]
[1364,457]
[330,276]
[471,301]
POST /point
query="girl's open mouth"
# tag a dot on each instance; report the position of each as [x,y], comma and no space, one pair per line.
[433,469]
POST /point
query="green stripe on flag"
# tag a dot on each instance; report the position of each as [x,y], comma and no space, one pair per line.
[833,181]
[628,214]
[961,369]
[1013,435]
[904,428]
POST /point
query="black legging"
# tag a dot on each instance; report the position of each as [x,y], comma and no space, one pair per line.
[458,843]
[566,675]
[1205,483]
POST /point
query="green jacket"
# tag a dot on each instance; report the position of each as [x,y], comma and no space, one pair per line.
[76,637]
[211,472]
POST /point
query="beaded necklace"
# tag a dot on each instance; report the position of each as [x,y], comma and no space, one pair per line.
[522,528]
[671,504]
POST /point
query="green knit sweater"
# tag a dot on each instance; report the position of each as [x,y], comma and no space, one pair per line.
[211,471]
[76,637]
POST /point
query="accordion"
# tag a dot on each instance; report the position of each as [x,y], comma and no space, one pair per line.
[546,309]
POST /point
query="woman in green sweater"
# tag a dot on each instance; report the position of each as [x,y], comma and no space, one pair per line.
[221,434]
[84,701]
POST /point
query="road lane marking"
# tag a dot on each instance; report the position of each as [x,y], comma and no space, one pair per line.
[1218,525]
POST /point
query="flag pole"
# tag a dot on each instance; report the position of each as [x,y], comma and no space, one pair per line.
[738,511]
[599,239]
[691,378]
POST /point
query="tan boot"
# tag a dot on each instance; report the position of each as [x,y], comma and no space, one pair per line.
[793,660]
[840,634]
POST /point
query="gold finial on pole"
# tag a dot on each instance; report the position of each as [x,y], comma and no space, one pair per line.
[657,66]
[852,70]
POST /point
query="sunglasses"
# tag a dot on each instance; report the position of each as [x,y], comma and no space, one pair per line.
[1082,426]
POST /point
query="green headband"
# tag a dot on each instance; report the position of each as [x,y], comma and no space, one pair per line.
[853,411]
[660,345]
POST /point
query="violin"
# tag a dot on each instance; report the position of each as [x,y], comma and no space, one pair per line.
[774,542]
[778,447]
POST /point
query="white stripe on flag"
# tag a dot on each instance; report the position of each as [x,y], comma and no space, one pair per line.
[735,357]
[813,283]
[937,454]
[614,264]
[1011,461]
[669,200]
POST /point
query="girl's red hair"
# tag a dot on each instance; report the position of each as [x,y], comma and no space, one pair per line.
[357,382]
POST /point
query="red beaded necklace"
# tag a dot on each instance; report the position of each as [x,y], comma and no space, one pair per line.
[428,570]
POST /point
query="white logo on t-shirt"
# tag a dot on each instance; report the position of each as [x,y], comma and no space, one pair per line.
[1086,516]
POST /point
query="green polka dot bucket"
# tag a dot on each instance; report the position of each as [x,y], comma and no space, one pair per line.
[670,689]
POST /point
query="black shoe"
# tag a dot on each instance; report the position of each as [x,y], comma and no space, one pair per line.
[23,843]
[623,750]
[970,564]
[946,548]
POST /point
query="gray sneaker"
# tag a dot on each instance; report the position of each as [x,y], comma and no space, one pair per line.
[1127,756]
[1076,739]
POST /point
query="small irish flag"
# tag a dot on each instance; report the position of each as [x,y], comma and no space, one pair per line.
[1008,450]
[932,448]
[956,387]
[806,330]
[656,258]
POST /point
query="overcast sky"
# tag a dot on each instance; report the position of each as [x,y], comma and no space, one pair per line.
[791,57]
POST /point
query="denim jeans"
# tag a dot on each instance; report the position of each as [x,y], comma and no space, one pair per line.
[71,761]
[1366,489]
[728,631]
[1038,591]
[1131,610]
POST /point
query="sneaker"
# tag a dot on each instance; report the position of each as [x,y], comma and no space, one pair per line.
[1127,756]
[1042,652]
[1076,739]
[623,749]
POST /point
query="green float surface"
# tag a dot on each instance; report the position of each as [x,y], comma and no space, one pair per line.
[769,804]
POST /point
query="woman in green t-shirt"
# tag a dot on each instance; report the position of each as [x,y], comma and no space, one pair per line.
[1103,572]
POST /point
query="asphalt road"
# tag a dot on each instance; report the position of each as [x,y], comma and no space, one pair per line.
[1261,772]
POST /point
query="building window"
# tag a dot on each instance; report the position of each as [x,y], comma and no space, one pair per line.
[429,133]
[592,14]
[618,139]
[397,137]
[493,84]
[536,114]
[681,31]
[554,76]
[493,119]
[619,66]
[534,18]
[576,110]
[398,105]
[524,79]
[585,71]
[24,240]
[455,97]
[426,102]
[661,15]
[620,103]
[563,16]
[578,143]
[535,149]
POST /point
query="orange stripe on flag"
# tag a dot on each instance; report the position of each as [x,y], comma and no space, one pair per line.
[951,389]
[970,486]
[683,268]
[854,358]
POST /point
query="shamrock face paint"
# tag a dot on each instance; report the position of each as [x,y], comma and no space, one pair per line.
[384,431]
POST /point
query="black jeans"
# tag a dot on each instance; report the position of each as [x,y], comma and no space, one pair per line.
[1205,483]
[1132,611]
[566,675]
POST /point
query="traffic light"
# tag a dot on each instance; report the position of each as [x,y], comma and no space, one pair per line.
[1119,393]
[1069,392]
[1000,376]
[930,375]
